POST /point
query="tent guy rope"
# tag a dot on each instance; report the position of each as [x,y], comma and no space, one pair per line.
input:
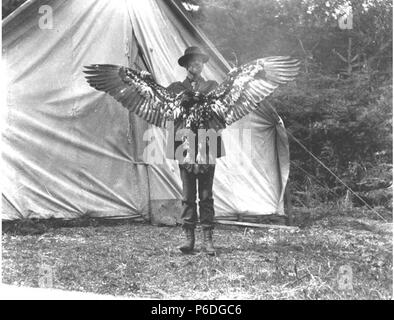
[339,179]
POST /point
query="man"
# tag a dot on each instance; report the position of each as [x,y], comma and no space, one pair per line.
[193,61]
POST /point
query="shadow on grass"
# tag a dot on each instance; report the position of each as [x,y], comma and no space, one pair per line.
[38,226]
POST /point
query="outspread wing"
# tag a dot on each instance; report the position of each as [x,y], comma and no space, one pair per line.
[135,90]
[248,85]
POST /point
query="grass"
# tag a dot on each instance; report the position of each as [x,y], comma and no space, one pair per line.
[139,260]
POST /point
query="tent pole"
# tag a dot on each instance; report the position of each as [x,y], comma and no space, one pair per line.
[179,10]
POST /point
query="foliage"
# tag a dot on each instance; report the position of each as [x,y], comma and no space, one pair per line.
[340,107]
[346,123]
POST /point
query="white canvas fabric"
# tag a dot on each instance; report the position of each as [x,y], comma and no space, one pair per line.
[69,150]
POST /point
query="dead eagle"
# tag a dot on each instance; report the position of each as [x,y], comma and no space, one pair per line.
[240,93]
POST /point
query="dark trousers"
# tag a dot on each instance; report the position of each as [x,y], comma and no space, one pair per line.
[205,195]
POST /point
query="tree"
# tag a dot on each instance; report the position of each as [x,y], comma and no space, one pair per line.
[8,6]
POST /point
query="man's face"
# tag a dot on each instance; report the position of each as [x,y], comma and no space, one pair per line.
[195,66]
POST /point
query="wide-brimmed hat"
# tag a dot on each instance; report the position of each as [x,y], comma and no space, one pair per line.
[190,53]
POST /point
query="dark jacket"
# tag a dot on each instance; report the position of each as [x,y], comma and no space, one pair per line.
[204,87]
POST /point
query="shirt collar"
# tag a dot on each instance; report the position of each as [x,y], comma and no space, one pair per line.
[187,83]
[198,79]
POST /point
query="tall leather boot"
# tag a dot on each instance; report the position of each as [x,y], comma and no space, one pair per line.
[209,248]
[188,243]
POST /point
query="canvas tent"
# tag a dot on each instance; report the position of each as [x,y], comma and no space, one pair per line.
[69,150]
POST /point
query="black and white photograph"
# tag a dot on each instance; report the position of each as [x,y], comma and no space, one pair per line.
[197,150]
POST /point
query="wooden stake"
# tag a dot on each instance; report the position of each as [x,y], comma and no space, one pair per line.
[256,225]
